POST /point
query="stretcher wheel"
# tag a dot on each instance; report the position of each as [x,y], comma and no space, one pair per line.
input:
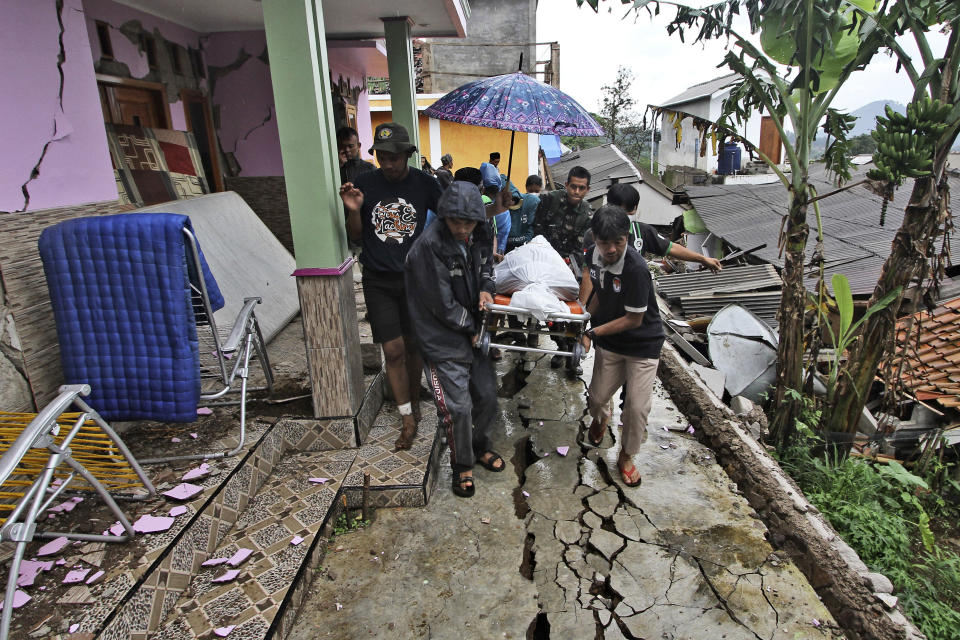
[577,352]
[484,343]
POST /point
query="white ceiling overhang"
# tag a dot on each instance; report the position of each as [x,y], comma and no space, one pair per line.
[343,20]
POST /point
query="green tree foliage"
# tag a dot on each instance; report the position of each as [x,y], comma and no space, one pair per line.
[862,144]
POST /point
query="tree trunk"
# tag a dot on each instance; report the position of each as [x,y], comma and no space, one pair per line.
[912,247]
[787,406]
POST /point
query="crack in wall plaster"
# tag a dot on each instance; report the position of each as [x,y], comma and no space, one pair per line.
[61,58]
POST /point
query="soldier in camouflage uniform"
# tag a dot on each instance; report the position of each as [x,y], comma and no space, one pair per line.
[563,218]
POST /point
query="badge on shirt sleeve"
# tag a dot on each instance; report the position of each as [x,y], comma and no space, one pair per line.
[616,285]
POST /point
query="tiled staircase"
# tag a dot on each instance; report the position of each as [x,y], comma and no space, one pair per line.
[264,501]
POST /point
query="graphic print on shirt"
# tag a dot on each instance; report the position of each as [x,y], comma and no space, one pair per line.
[394,220]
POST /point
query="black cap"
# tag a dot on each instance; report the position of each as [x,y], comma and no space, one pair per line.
[391,137]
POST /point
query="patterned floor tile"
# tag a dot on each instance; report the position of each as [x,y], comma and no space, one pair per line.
[288,505]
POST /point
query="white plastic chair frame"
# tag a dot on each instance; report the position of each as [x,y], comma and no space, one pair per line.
[20,526]
[219,380]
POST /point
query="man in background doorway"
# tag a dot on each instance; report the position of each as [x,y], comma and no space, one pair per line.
[348,151]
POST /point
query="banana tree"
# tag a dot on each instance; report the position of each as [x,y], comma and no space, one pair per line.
[914,145]
[822,42]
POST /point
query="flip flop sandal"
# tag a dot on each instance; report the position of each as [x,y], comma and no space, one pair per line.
[463,487]
[489,463]
[598,441]
[624,476]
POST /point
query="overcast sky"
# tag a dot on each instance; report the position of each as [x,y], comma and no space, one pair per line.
[592,46]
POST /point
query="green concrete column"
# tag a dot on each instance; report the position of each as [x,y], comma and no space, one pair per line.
[403,81]
[299,70]
[301,92]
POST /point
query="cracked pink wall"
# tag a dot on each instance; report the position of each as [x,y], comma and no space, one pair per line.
[244,96]
[76,168]
[128,53]
[248,124]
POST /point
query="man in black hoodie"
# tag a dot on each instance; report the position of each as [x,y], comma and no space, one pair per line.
[449,280]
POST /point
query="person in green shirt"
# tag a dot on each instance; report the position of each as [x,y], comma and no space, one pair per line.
[563,219]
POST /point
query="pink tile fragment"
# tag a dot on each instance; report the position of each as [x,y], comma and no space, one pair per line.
[174,439]
[228,576]
[61,562]
[296,540]
[152,524]
[223,632]
[20,598]
[318,480]
[73,628]
[525,494]
[183,491]
[178,510]
[563,450]
[29,570]
[204,411]
[212,562]
[196,472]
[237,559]
[54,546]
[76,499]
[193,434]
[117,529]
[77,575]
[92,579]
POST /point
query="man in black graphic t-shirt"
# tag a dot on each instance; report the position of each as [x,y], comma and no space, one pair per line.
[386,212]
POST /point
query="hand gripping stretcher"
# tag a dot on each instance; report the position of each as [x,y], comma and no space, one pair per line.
[570,324]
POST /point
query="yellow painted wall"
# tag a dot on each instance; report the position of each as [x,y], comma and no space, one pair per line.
[470,145]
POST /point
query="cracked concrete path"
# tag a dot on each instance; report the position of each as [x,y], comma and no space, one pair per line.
[569,551]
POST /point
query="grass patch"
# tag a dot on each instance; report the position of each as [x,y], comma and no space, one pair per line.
[885,512]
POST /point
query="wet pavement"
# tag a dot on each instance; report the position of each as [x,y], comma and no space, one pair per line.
[558,547]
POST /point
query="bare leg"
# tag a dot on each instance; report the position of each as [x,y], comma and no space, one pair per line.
[395,357]
[414,366]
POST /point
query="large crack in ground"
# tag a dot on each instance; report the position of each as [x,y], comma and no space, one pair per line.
[604,568]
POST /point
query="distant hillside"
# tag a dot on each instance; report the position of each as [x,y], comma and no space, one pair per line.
[866,122]
[867,115]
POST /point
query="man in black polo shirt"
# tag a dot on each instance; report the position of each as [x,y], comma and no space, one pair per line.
[387,211]
[626,327]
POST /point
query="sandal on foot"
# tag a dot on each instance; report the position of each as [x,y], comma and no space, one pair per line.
[491,462]
[626,476]
[596,442]
[463,486]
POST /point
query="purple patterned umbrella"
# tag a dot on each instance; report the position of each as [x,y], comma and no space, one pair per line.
[515,102]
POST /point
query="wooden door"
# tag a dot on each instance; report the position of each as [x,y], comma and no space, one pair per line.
[133,102]
[769,139]
[196,106]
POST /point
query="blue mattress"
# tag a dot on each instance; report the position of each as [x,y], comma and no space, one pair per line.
[120,289]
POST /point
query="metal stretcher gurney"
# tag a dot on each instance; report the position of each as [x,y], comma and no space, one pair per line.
[571,325]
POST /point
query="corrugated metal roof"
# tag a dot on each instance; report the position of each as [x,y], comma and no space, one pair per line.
[854,243]
[704,89]
[764,304]
[607,164]
[603,162]
[732,279]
